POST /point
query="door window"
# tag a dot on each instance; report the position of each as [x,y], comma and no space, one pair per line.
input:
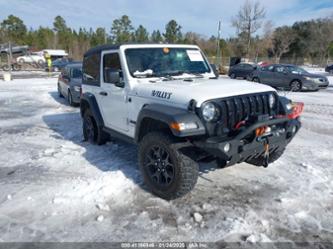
[111,63]
[267,68]
[91,69]
[280,69]
[76,73]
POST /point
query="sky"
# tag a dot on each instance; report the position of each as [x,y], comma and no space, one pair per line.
[200,16]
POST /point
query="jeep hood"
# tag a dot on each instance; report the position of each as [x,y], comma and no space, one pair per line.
[180,92]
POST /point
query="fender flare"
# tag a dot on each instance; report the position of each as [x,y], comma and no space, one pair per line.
[169,115]
[88,99]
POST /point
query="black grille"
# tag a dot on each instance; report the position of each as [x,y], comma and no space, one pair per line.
[239,108]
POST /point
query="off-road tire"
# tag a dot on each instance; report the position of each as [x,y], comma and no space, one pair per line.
[186,170]
[272,158]
[96,135]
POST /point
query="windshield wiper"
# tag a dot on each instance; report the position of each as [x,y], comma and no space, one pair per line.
[171,75]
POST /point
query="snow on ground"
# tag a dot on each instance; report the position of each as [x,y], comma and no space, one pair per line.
[55,187]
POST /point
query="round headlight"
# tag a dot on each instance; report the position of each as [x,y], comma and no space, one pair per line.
[209,112]
[271,100]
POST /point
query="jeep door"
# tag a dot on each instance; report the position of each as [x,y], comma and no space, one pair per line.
[112,97]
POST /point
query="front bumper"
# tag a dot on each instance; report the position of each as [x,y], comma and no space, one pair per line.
[313,86]
[242,150]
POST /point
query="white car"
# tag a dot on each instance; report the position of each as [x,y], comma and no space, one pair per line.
[170,101]
[31,58]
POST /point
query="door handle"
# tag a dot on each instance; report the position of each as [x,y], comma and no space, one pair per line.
[103,93]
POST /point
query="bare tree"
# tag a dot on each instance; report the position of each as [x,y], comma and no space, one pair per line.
[248,21]
[283,37]
[265,44]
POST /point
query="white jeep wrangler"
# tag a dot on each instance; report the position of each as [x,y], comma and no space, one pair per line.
[169,100]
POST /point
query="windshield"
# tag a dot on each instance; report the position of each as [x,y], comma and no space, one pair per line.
[294,69]
[150,62]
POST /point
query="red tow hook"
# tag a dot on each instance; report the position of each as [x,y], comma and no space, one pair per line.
[240,124]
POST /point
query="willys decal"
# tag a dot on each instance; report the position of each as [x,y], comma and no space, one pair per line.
[160,94]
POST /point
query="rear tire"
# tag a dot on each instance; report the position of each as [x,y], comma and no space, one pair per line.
[91,131]
[5,68]
[331,71]
[233,76]
[166,171]
[272,158]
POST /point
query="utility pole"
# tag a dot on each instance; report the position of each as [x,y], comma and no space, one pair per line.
[218,49]
[10,56]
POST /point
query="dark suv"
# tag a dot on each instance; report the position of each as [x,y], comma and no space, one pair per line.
[241,70]
[329,69]
[289,77]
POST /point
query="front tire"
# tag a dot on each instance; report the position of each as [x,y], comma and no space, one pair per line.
[59,92]
[70,98]
[256,79]
[167,172]
[296,86]
[233,76]
[41,63]
[91,131]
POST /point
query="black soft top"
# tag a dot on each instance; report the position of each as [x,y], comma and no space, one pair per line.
[99,49]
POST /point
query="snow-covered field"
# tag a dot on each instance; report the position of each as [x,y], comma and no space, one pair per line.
[55,187]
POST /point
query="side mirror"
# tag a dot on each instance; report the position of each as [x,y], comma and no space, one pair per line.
[215,70]
[66,77]
[114,77]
